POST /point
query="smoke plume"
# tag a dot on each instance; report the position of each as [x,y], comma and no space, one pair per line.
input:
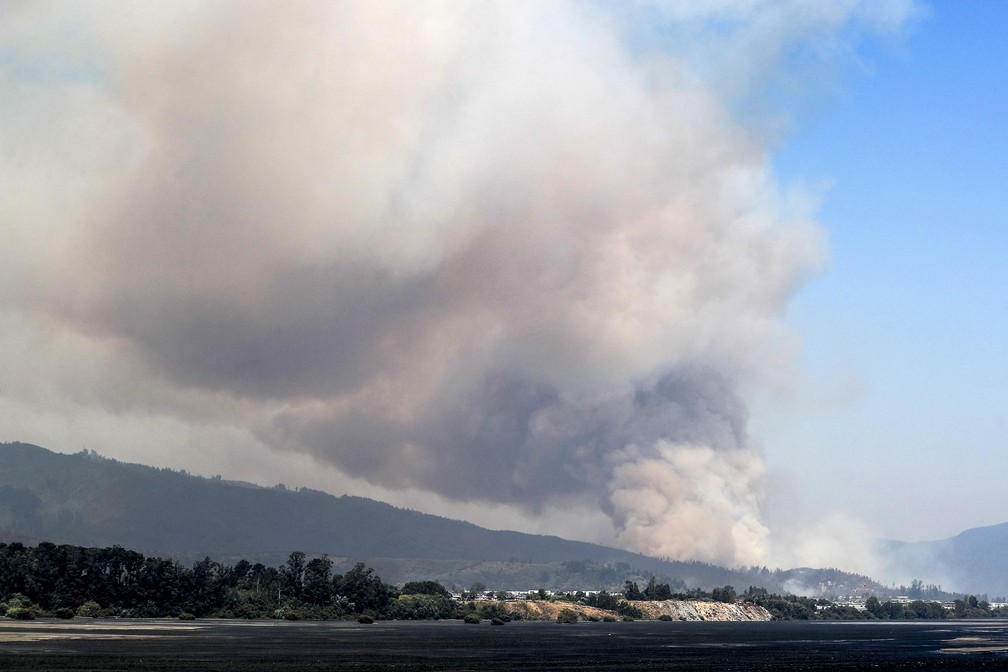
[505,252]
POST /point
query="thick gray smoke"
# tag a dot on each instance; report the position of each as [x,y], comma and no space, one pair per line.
[501,252]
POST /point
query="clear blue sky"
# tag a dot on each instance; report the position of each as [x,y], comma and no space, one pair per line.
[911,315]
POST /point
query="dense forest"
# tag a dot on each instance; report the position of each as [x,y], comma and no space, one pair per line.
[71,581]
[119,582]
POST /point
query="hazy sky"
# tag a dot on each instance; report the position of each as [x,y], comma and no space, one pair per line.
[719,281]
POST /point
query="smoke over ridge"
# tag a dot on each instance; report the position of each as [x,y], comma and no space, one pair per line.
[499,252]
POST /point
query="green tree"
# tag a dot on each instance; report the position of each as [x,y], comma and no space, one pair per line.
[318,588]
[602,600]
[366,591]
[293,574]
[204,590]
[424,588]
[657,591]
[725,594]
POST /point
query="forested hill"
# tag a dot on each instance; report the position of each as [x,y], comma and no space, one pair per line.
[973,561]
[88,500]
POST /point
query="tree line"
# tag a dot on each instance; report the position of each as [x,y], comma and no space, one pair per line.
[67,581]
[794,607]
[663,591]
[70,580]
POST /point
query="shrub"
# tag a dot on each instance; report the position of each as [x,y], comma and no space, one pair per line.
[64,612]
[628,611]
[17,607]
[496,621]
[493,610]
[472,619]
[665,617]
[89,610]
[20,607]
[567,616]
[608,619]
[421,607]
[365,619]
[20,614]
[186,616]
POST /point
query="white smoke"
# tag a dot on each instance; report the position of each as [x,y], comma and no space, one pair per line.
[687,501]
[503,252]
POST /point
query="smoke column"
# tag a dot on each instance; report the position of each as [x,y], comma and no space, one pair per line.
[500,252]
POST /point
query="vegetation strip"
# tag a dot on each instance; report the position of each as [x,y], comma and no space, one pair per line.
[71,581]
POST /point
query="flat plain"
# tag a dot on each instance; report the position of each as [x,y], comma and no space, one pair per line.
[118,645]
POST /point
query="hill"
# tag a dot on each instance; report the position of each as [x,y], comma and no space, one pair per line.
[88,500]
[971,562]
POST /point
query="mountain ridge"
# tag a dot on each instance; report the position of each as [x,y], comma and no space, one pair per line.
[972,561]
[88,500]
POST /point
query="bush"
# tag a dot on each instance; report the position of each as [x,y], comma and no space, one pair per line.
[472,619]
[492,610]
[567,616]
[20,614]
[365,619]
[19,607]
[89,609]
[15,600]
[665,617]
[287,613]
[186,616]
[628,611]
[496,621]
[421,607]
[64,612]
[608,619]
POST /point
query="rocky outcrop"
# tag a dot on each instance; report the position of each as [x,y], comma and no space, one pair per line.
[678,610]
[693,610]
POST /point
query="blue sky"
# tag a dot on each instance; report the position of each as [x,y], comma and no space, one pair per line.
[911,315]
